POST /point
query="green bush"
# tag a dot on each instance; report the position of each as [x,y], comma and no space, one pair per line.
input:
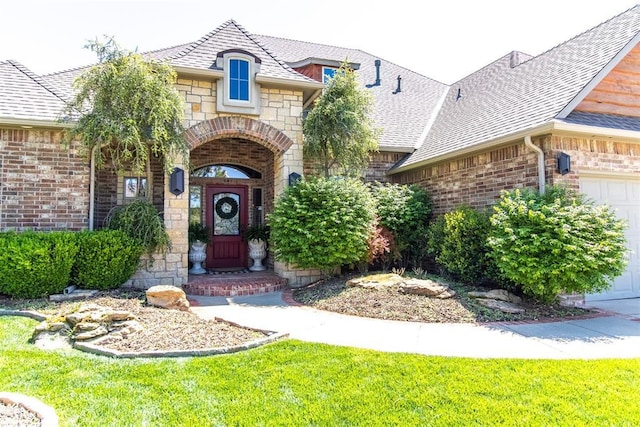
[140,220]
[405,211]
[458,243]
[322,223]
[106,259]
[556,242]
[36,264]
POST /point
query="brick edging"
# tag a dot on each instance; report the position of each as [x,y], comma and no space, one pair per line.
[287,297]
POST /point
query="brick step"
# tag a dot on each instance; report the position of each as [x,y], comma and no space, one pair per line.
[234,284]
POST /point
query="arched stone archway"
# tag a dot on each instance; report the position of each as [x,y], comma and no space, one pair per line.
[238,127]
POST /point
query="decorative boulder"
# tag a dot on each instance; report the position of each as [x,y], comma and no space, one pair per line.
[170,297]
[504,306]
[376,281]
[427,288]
[497,294]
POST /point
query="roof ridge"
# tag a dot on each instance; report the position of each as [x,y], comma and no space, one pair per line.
[637,6]
[37,79]
[193,45]
[355,49]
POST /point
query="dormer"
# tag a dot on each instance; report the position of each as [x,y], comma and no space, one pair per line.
[238,91]
[319,69]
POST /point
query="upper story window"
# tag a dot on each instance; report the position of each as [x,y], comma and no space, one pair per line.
[239,79]
[237,90]
[328,73]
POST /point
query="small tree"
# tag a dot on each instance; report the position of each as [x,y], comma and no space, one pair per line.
[127,104]
[556,242]
[322,223]
[339,131]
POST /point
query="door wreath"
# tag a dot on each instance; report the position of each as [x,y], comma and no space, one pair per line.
[226,207]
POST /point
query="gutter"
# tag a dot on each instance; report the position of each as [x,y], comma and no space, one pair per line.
[540,154]
[32,123]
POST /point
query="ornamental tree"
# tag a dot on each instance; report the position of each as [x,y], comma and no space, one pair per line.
[339,131]
[556,242]
[128,106]
[322,223]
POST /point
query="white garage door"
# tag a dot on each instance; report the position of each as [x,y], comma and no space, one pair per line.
[623,194]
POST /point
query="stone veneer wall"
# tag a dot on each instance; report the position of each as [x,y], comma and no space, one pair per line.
[280,109]
[43,184]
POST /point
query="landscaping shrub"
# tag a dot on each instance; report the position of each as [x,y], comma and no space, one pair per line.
[556,242]
[106,259]
[322,223]
[141,220]
[405,211]
[458,242]
[381,247]
[36,264]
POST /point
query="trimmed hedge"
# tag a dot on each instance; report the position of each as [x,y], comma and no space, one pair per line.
[36,264]
[106,259]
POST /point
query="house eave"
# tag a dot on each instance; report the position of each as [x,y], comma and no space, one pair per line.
[34,123]
[290,83]
[198,72]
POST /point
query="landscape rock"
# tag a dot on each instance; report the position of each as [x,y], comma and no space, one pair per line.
[376,280]
[497,294]
[166,296]
[504,306]
[72,296]
[426,287]
[92,333]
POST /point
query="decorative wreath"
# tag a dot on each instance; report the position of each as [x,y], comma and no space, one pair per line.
[226,208]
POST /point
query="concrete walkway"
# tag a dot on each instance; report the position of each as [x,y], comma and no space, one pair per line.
[614,335]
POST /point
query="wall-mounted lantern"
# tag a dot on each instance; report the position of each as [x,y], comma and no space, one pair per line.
[294,178]
[176,181]
[564,163]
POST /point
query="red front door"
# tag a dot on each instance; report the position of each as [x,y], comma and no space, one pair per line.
[227,217]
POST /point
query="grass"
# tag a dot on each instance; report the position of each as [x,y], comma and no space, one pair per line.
[301,384]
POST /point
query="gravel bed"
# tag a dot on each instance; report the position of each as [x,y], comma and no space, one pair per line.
[14,415]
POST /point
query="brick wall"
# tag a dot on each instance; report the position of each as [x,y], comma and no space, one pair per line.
[475,180]
[379,165]
[44,185]
[590,154]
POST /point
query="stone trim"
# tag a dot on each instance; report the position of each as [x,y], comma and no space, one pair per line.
[238,127]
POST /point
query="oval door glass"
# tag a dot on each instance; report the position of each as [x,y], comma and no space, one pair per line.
[226,214]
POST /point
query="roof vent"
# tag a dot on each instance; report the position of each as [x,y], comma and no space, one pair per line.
[377,82]
[459,95]
[398,89]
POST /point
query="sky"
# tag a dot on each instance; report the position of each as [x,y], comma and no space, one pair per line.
[444,40]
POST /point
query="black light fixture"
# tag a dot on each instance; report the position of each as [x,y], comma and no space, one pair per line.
[176,181]
[564,163]
[294,178]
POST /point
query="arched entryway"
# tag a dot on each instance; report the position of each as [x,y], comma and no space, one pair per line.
[236,171]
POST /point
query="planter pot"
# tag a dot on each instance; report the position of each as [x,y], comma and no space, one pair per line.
[197,255]
[257,252]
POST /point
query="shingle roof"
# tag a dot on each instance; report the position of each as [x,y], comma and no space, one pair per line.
[25,96]
[603,120]
[402,116]
[202,53]
[524,96]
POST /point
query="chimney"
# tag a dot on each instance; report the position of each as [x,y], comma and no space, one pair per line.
[398,89]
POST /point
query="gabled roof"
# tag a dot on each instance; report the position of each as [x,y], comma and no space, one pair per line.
[202,53]
[25,96]
[495,105]
[403,116]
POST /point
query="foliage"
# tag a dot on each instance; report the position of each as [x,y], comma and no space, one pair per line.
[199,231]
[405,211]
[293,383]
[127,104]
[141,220]
[382,247]
[35,264]
[257,232]
[556,242]
[339,131]
[322,223]
[106,259]
[457,241]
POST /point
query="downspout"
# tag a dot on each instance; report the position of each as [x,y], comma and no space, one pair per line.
[92,185]
[540,154]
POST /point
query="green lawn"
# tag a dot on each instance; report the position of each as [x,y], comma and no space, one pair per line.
[300,384]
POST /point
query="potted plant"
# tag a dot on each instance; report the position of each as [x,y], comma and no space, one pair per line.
[257,237]
[199,238]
